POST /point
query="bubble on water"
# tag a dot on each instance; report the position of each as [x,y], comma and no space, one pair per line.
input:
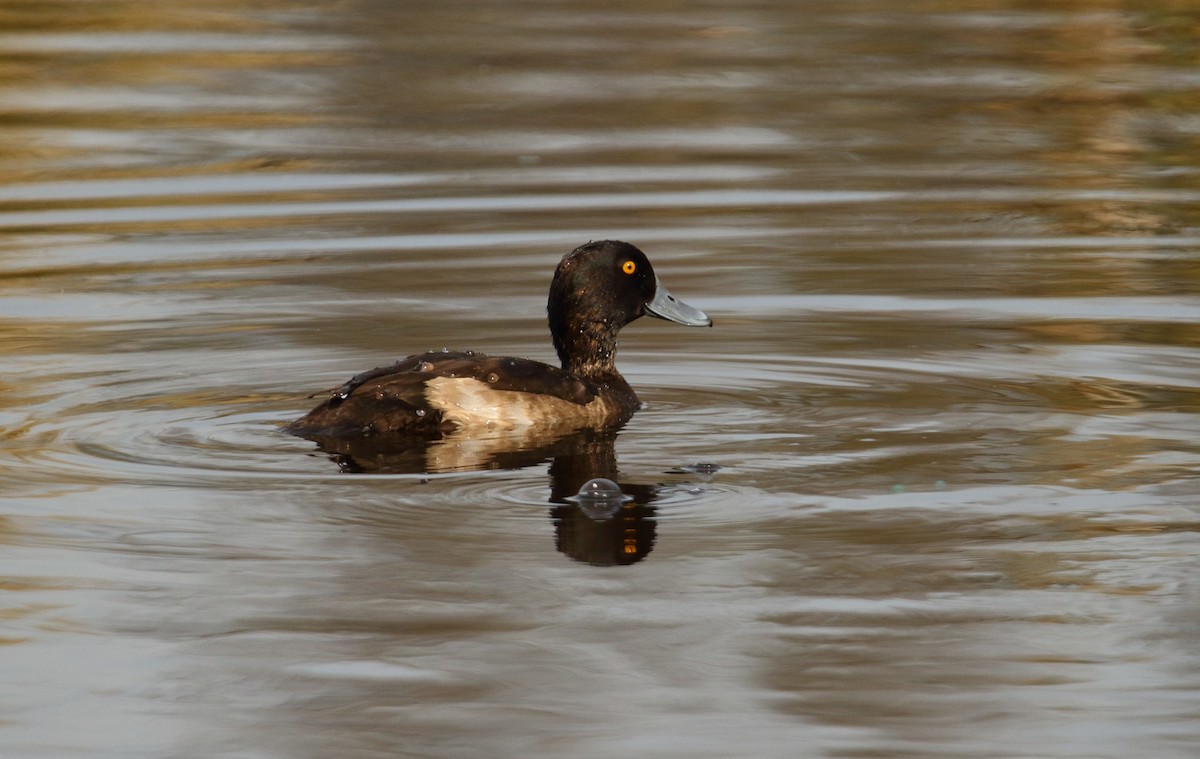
[600,499]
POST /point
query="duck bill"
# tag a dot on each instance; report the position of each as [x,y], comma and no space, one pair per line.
[667,306]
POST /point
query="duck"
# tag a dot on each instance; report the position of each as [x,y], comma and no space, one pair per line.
[597,289]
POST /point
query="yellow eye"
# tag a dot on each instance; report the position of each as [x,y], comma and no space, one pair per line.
[629,267]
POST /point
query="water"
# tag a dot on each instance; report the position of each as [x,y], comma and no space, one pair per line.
[928,488]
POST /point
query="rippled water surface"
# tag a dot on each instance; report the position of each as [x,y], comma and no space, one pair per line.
[928,488]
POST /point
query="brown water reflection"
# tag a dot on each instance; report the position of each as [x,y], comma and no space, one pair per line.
[585,530]
[928,489]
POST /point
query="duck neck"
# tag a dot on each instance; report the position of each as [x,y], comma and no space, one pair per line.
[588,349]
[584,333]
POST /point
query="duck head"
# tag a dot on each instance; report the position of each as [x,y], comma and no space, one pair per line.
[598,288]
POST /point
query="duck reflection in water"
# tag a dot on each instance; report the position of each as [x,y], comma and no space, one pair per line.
[595,523]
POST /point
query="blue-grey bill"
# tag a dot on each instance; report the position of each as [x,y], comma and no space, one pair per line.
[667,306]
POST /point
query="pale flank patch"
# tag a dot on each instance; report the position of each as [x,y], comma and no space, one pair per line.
[488,422]
[475,407]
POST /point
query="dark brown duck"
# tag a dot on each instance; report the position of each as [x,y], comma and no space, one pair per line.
[597,289]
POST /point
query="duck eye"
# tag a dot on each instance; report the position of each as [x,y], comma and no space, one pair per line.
[629,267]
